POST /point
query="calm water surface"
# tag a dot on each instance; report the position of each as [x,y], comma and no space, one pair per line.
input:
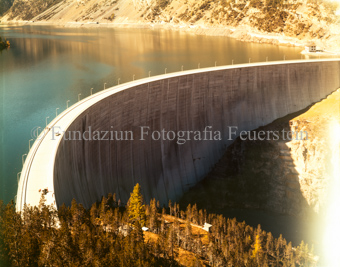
[46,66]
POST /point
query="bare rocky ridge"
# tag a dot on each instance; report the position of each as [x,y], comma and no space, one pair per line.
[282,176]
[285,22]
[313,157]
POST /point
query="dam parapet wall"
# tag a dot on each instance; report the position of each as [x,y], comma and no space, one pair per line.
[221,99]
[225,101]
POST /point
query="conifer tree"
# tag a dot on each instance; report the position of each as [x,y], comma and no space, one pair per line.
[257,252]
[4,258]
[152,218]
[105,236]
[135,207]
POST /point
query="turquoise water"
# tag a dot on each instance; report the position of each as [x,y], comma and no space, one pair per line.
[46,66]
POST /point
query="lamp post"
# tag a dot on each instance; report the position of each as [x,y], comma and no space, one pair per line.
[23,159]
[46,120]
[199,64]
[37,132]
[215,63]
[67,104]
[149,73]
[56,112]
[79,97]
[29,144]
[165,70]
[232,62]
[182,68]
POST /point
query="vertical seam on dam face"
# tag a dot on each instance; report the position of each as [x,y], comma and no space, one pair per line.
[245,96]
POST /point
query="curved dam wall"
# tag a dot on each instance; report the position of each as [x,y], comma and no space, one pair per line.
[245,96]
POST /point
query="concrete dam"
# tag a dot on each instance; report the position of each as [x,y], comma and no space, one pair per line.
[207,100]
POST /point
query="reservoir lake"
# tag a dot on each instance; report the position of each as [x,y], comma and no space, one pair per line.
[46,66]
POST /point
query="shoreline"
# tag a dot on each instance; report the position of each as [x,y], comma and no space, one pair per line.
[241,33]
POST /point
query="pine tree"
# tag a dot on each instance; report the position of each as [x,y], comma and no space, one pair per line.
[171,241]
[257,252]
[187,235]
[170,207]
[4,246]
[135,207]
[30,238]
[152,218]
[194,214]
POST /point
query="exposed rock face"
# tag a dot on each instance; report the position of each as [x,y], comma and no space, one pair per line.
[293,21]
[289,175]
[313,157]
[28,9]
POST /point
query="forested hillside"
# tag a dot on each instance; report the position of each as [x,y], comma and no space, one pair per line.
[111,235]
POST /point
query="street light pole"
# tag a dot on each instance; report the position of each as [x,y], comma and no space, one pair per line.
[79,97]
[67,103]
[29,144]
[56,112]
[23,159]
[37,132]
[46,120]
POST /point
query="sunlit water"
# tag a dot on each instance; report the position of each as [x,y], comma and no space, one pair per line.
[46,66]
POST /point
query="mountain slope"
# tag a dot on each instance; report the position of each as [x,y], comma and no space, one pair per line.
[300,20]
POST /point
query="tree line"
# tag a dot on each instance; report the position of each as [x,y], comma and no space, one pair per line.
[4,43]
[137,234]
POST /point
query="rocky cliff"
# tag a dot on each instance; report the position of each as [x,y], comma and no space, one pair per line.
[290,175]
[256,20]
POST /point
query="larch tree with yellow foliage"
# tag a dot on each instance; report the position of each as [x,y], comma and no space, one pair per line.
[257,247]
[136,207]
